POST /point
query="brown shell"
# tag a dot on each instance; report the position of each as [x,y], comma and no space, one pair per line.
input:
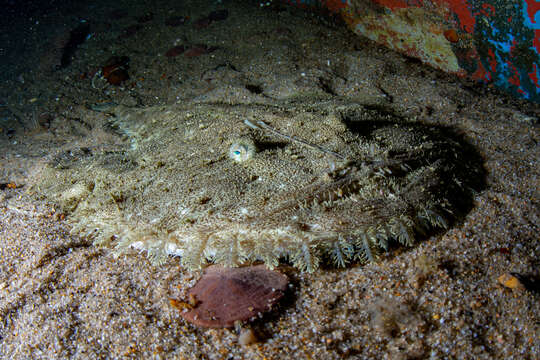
[226,295]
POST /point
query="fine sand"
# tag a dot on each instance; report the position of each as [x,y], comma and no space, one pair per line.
[61,297]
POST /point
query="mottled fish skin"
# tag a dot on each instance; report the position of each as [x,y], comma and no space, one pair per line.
[317,186]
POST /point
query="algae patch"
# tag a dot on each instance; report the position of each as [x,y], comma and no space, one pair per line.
[344,183]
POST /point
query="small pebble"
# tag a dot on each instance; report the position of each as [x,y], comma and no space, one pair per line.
[247,337]
[511,282]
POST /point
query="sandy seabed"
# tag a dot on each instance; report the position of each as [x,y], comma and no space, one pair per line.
[61,297]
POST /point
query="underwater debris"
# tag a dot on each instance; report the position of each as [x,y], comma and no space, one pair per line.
[343,184]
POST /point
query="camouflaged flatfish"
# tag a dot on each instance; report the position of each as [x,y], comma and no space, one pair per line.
[238,184]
